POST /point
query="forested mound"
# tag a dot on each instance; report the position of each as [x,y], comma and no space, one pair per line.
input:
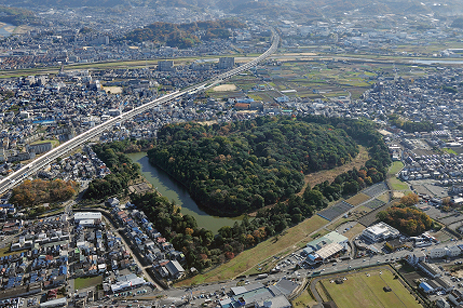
[184,35]
[239,167]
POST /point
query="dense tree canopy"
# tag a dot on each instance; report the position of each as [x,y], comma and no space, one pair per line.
[407,218]
[239,167]
[184,35]
[411,127]
[122,171]
[39,191]
[201,247]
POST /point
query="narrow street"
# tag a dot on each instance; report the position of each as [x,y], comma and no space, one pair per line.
[143,268]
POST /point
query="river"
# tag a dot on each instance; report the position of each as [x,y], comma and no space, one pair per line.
[170,188]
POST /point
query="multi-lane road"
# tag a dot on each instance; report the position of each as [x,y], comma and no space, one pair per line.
[21,174]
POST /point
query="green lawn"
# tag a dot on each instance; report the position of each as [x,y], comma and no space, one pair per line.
[398,184]
[362,291]
[396,167]
[54,142]
[449,151]
[5,251]
[82,283]
[304,300]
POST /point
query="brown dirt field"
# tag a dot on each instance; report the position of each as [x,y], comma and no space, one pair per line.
[358,198]
[397,194]
[358,228]
[224,88]
[329,175]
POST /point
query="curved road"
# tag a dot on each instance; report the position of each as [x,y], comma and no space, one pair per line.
[21,174]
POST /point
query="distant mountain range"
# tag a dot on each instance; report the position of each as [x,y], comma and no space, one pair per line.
[309,8]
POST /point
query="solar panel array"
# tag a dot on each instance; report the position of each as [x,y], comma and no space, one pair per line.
[336,210]
[376,190]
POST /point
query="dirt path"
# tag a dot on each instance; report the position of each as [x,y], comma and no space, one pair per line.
[329,175]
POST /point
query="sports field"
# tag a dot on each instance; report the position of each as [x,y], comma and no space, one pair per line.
[359,290]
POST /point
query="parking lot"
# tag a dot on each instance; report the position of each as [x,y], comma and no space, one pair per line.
[428,187]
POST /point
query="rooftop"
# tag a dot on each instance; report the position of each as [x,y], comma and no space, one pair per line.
[332,237]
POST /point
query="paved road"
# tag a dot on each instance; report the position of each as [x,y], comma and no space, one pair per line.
[137,261]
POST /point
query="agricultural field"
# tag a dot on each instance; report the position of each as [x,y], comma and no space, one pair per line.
[366,289]
[357,199]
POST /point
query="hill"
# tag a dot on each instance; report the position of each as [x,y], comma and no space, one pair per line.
[16,16]
[308,9]
[184,35]
[239,167]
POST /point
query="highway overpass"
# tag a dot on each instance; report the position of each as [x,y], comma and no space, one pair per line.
[18,176]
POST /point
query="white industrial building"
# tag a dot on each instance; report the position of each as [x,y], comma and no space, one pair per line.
[127,284]
[451,251]
[380,231]
[86,216]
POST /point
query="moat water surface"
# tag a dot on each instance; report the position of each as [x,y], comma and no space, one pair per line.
[173,190]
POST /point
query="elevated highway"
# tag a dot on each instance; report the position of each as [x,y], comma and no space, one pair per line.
[18,176]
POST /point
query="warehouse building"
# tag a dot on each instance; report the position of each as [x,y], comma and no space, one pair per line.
[380,231]
[325,247]
[87,217]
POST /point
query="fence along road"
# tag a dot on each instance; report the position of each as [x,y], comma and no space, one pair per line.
[18,176]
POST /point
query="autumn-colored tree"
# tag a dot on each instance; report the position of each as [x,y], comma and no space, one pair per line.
[31,193]
[256,234]
[362,174]
[410,199]
[189,231]
[446,201]
[409,220]
[250,240]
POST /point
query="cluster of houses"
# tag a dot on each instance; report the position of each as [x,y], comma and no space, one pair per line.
[96,250]
[149,241]
[41,261]
[76,167]
[436,282]
[446,168]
